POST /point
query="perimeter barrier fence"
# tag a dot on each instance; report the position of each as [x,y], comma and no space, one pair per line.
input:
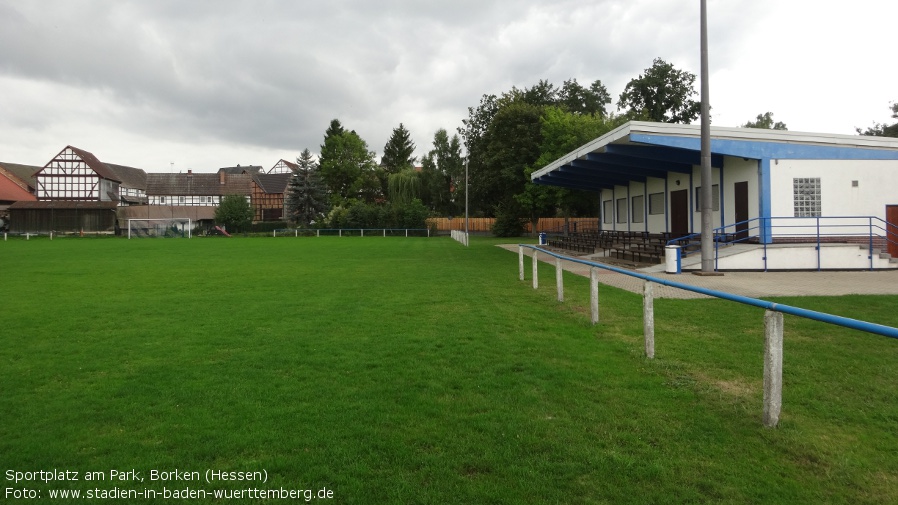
[773,318]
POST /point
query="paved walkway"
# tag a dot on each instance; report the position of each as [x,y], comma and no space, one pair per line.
[753,284]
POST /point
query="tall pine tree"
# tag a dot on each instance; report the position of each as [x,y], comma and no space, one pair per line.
[398,151]
[306,199]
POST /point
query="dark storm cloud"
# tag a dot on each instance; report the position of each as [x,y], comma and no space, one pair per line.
[270,75]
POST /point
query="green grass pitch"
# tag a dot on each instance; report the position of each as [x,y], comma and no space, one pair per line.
[394,370]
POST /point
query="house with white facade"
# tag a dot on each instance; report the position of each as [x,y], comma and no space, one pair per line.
[781,199]
[75,191]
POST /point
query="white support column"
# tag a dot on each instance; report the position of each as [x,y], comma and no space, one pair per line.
[648,318]
[535,270]
[520,261]
[594,294]
[559,279]
[773,367]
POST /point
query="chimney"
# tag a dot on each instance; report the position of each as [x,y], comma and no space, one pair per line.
[221,177]
[189,172]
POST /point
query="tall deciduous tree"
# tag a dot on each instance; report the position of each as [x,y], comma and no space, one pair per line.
[579,100]
[443,175]
[765,121]
[563,131]
[347,167]
[306,198]
[663,94]
[882,129]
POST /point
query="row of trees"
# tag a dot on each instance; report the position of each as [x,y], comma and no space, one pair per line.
[507,137]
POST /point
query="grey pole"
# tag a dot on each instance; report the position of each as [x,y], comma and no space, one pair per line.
[466,200]
[707,194]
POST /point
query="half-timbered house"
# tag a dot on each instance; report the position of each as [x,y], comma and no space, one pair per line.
[196,189]
[75,191]
[283,167]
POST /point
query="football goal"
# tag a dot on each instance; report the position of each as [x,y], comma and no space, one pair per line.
[173,227]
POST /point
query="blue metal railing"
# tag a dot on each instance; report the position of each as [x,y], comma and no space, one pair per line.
[887,331]
[871,228]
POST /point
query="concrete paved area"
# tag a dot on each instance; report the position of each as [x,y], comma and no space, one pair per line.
[753,284]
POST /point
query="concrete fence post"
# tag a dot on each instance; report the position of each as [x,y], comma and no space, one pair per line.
[648,318]
[535,270]
[521,262]
[594,294]
[559,279]
[773,367]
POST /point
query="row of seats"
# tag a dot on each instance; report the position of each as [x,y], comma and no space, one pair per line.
[643,247]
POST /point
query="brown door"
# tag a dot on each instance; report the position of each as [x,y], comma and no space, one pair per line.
[740,201]
[679,213]
[892,229]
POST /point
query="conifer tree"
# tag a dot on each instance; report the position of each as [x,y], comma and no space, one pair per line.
[306,199]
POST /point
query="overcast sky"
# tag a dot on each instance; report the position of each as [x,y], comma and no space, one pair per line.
[162,84]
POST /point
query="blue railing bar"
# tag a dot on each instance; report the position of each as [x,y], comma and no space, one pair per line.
[879,329]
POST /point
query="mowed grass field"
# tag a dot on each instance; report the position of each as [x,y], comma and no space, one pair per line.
[394,370]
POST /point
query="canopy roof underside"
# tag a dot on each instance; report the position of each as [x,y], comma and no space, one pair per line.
[638,150]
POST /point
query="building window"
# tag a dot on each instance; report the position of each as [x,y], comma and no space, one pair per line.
[180,199]
[622,210]
[656,204]
[607,212]
[715,198]
[638,211]
[161,199]
[806,196]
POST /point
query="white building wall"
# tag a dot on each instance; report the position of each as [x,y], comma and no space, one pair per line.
[839,197]
[693,202]
[657,223]
[875,189]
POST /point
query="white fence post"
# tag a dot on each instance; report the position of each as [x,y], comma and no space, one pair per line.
[648,318]
[559,279]
[773,367]
[535,271]
[521,262]
[594,293]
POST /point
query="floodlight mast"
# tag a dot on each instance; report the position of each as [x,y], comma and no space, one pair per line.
[467,238]
[706,194]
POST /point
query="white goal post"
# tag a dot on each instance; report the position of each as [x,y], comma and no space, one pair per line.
[159,227]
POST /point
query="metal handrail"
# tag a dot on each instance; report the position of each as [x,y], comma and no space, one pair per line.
[846,322]
[871,225]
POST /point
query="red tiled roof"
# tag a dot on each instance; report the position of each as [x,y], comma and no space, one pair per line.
[12,192]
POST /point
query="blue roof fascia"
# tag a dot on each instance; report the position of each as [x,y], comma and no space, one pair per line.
[564,183]
[767,150]
[606,171]
[580,178]
[649,168]
[663,153]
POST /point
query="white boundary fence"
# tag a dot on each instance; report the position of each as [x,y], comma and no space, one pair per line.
[351,232]
[460,237]
[773,319]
